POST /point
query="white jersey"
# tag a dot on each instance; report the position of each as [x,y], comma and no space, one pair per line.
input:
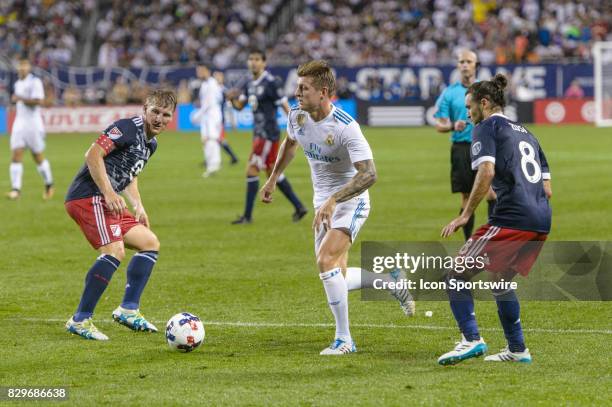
[30,87]
[331,146]
[211,99]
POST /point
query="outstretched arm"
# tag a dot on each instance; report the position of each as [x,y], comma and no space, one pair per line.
[286,153]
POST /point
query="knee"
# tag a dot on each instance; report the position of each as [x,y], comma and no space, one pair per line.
[117,252]
[326,261]
[152,243]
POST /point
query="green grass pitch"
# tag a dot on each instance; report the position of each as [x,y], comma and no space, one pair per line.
[257,289]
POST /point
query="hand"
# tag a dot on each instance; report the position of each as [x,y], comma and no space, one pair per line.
[115,203]
[324,214]
[15,98]
[141,216]
[460,125]
[267,190]
[232,94]
[454,225]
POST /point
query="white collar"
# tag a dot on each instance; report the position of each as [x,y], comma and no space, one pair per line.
[261,77]
[500,115]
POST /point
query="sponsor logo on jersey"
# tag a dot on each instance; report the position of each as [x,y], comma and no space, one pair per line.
[301,119]
[114,133]
[476,147]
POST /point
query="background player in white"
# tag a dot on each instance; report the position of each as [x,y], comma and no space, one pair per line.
[211,119]
[342,169]
[28,130]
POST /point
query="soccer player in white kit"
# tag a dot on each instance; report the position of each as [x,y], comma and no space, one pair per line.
[211,119]
[28,131]
[342,170]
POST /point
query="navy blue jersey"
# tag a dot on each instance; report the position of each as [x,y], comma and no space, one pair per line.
[520,168]
[128,151]
[264,95]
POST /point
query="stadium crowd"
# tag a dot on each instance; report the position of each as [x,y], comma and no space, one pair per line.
[418,32]
[166,32]
[47,32]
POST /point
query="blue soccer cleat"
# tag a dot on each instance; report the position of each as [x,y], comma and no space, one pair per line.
[464,350]
[133,319]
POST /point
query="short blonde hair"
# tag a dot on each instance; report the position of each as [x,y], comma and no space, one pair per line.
[321,74]
[161,98]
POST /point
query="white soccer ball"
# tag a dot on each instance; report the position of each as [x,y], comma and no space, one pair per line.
[184,332]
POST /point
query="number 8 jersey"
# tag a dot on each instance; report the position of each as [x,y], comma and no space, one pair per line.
[520,169]
[127,151]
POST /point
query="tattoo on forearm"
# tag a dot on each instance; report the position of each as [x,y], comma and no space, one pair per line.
[365,178]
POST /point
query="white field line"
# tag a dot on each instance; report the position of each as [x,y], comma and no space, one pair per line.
[330,325]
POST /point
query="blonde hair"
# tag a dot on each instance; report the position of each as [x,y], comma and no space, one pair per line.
[321,74]
[161,98]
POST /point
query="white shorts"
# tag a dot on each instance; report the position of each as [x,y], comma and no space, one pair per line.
[34,139]
[210,128]
[348,216]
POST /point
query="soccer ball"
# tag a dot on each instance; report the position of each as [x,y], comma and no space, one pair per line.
[184,332]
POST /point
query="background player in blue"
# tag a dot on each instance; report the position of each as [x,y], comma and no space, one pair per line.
[264,94]
[508,158]
[451,115]
[112,165]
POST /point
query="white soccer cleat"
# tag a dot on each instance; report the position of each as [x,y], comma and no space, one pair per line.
[506,356]
[339,347]
[86,329]
[464,350]
[403,295]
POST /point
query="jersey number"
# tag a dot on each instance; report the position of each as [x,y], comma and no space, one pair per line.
[135,170]
[528,156]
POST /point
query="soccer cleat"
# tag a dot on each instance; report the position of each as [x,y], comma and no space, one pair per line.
[402,295]
[133,319]
[506,356]
[339,347]
[234,161]
[49,192]
[464,350]
[13,195]
[241,221]
[208,174]
[86,329]
[299,214]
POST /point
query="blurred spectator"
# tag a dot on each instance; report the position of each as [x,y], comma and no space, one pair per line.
[183,93]
[139,93]
[72,96]
[574,91]
[50,93]
[120,92]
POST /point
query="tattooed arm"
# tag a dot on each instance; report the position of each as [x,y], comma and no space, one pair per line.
[365,178]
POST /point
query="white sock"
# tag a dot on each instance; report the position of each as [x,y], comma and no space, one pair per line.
[212,153]
[357,278]
[337,298]
[16,170]
[44,169]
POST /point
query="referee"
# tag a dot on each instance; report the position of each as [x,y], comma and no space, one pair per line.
[451,115]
